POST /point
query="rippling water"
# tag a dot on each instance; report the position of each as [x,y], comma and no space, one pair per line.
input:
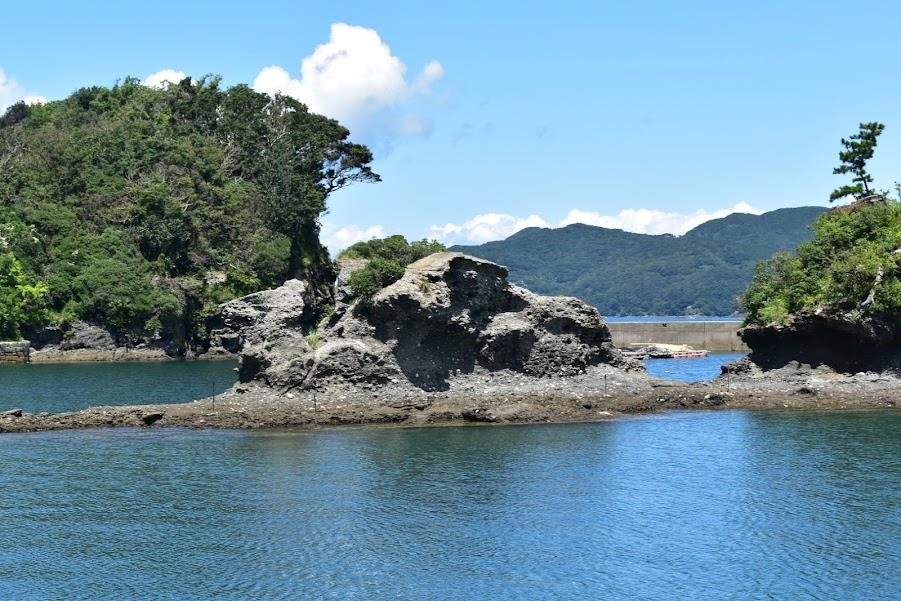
[37,387]
[704,505]
[70,387]
[690,370]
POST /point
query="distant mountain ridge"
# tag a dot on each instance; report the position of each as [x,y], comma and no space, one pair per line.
[623,273]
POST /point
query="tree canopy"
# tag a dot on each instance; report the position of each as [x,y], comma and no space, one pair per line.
[141,208]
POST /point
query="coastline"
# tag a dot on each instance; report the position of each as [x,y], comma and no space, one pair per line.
[116,355]
[256,408]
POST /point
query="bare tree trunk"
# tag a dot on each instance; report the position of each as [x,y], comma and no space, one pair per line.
[880,273]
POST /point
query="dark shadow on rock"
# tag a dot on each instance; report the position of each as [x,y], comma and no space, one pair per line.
[816,341]
[429,361]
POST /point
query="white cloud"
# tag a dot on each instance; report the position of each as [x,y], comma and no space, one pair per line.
[485,227]
[429,75]
[12,92]
[653,221]
[338,238]
[353,77]
[161,78]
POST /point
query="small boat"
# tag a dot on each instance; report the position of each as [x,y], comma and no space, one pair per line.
[675,351]
[689,355]
[656,350]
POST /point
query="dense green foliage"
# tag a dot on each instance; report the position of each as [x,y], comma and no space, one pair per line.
[852,264]
[388,257]
[859,149]
[140,208]
[377,274]
[20,300]
[621,273]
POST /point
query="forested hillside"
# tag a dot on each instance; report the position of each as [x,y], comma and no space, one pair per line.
[140,208]
[852,265]
[621,273]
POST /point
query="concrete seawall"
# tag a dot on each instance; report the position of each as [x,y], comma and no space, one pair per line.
[14,352]
[716,336]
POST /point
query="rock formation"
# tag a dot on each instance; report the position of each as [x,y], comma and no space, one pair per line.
[449,317]
[843,342]
[264,325]
[82,341]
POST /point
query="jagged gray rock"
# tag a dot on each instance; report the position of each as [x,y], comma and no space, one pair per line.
[449,316]
[82,335]
[264,325]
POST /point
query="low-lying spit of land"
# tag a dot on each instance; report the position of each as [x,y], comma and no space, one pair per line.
[504,399]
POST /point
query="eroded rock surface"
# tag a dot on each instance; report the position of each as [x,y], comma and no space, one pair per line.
[264,326]
[450,317]
[87,336]
[842,342]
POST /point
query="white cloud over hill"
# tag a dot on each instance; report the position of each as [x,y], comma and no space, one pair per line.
[653,221]
[485,227]
[496,226]
[356,79]
[12,92]
[161,78]
[337,238]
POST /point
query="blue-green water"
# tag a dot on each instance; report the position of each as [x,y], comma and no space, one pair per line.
[40,387]
[690,370]
[669,318]
[73,386]
[701,505]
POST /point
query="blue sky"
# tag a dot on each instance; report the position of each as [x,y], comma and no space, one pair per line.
[513,114]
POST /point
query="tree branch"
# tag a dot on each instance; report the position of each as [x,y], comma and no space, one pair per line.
[880,273]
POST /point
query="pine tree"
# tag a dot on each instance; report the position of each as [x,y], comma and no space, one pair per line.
[858,150]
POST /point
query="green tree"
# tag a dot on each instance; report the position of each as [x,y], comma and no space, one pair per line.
[142,207]
[377,274]
[21,302]
[852,264]
[388,259]
[393,248]
[859,149]
[305,158]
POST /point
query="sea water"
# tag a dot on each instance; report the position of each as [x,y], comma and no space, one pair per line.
[693,505]
[37,387]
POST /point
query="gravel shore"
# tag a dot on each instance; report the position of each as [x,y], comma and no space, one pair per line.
[505,399]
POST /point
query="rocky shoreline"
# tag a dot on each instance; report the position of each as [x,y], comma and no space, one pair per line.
[451,342]
[512,400]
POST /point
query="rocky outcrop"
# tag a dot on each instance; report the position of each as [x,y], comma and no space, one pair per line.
[80,341]
[264,325]
[343,294]
[843,342]
[82,335]
[450,317]
[14,352]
